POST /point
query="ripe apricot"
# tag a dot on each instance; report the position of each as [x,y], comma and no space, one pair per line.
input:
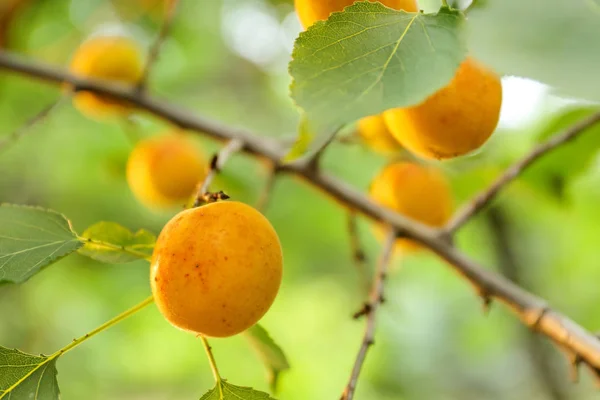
[311,11]
[415,191]
[216,269]
[165,170]
[455,120]
[113,58]
[374,133]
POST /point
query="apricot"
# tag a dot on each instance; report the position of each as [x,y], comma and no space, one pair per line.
[113,58]
[374,133]
[415,191]
[164,171]
[311,11]
[455,120]
[216,269]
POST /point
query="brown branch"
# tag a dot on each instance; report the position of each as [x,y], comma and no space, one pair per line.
[370,310]
[26,127]
[488,195]
[358,254]
[154,51]
[532,310]
[216,164]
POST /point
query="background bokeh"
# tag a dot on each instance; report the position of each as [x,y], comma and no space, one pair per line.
[227,59]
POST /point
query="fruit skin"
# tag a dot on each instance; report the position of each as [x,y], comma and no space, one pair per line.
[216,269]
[374,133]
[418,192]
[164,171]
[113,58]
[455,120]
[311,11]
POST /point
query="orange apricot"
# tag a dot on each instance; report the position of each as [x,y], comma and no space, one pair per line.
[415,191]
[112,58]
[374,133]
[216,269]
[455,120]
[311,11]
[164,171]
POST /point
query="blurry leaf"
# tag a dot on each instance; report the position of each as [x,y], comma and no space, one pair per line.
[27,377]
[553,41]
[30,239]
[112,243]
[269,352]
[226,391]
[370,58]
[556,169]
[302,143]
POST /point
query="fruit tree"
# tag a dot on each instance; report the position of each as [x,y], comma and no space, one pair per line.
[364,199]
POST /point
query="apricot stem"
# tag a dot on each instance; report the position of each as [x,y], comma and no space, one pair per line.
[211,360]
[445,3]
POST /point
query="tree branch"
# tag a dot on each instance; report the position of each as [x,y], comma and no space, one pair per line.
[532,310]
[488,195]
[155,48]
[370,310]
[358,254]
[216,164]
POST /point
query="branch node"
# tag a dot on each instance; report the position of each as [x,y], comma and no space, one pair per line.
[365,310]
[534,316]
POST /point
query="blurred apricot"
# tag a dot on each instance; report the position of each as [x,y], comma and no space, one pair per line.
[311,11]
[164,171]
[113,58]
[416,191]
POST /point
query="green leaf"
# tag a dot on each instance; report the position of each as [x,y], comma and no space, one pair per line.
[30,239]
[112,243]
[271,354]
[227,391]
[370,58]
[554,41]
[27,377]
[556,169]
[302,144]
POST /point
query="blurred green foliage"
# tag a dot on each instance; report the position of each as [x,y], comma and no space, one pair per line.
[227,60]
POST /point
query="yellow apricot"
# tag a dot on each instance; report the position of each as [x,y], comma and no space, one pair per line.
[165,170]
[415,191]
[216,269]
[455,120]
[374,133]
[113,58]
[311,11]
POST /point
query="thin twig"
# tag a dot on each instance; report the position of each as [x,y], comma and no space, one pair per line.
[488,195]
[358,254]
[265,195]
[216,164]
[533,311]
[27,126]
[154,51]
[375,300]
[509,266]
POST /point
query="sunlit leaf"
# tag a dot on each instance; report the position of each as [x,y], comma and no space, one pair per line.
[112,243]
[227,391]
[30,239]
[370,58]
[27,377]
[555,170]
[271,354]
